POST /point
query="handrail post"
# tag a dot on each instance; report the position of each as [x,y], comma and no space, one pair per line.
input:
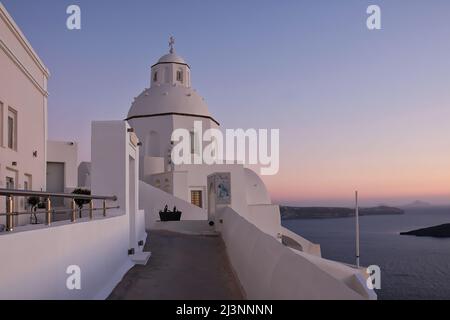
[49,212]
[9,213]
[104,208]
[91,209]
[74,211]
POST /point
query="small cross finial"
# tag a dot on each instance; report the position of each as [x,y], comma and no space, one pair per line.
[171,44]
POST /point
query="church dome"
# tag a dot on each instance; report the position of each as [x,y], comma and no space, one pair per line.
[167,98]
[170,91]
[171,58]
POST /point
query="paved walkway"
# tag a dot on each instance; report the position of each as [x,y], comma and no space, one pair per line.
[182,267]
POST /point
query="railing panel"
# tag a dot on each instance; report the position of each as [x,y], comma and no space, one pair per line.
[11,212]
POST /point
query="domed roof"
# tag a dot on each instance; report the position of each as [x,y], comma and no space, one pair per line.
[167,98]
[171,58]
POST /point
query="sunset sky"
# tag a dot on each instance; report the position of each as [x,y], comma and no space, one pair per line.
[356,109]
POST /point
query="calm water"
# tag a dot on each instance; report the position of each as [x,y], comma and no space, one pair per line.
[411,267]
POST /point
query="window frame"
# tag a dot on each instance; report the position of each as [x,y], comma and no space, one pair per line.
[12,133]
[197,194]
[180,76]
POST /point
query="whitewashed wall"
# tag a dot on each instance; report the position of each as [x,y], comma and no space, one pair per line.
[266,217]
[152,200]
[67,153]
[23,87]
[84,175]
[35,266]
[269,270]
[115,170]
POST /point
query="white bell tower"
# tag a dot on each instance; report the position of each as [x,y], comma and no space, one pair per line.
[171,69]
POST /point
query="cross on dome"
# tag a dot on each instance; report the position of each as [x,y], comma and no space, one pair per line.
[171,44]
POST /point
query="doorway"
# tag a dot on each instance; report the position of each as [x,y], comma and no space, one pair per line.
[211,201]
[55,181]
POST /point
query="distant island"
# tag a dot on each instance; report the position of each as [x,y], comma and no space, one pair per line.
[441,231]
[289,213]
[418,204]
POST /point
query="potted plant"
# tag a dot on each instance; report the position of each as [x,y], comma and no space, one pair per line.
[34,203]
[81,202]
[166,215]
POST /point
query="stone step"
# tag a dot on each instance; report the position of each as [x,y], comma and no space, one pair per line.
[141,258]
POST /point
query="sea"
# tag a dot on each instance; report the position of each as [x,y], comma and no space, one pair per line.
[411,267]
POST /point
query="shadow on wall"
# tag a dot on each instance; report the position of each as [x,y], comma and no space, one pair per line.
[152,200]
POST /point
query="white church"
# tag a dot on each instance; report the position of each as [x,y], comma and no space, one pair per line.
[172,103]
[132,177]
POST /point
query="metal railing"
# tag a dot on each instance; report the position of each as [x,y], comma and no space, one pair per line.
[49,211]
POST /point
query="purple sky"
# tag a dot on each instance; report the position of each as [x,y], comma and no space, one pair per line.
[357,109]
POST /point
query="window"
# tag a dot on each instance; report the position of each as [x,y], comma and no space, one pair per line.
[10,132]
[195,143]
[192,142]
[180,76]
[12,129]
[196,198]
[27,182]
[155,76]
[10,183]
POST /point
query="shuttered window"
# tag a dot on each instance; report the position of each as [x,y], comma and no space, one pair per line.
[196,198]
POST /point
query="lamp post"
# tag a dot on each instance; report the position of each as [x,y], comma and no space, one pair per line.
[357,227]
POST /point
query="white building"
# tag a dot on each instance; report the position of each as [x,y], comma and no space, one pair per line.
[23,110]
[27,160]
[168,104]
[171,103]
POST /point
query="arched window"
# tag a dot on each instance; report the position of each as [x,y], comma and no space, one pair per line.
[155,76]
[180,75]
[193,142]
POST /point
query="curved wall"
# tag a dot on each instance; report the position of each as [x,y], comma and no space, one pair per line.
[269,270]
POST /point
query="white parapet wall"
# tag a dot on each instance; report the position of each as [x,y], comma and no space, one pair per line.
[269,270]
[301,243]
[35,261]
[266,217]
